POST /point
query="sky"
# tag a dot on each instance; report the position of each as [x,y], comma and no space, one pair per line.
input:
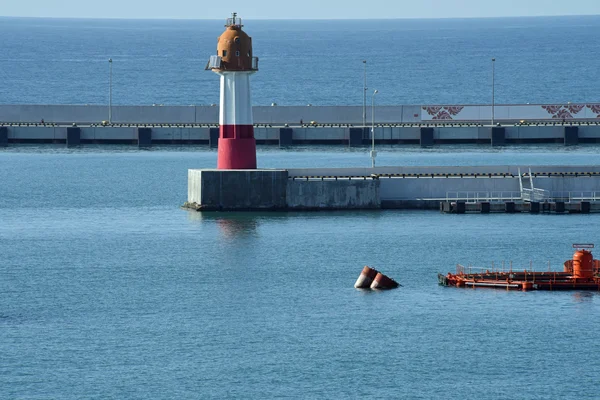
[304,9]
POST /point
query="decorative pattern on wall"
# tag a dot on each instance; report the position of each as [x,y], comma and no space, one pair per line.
[527,112]
[564,112]
[443,112]
[595,109]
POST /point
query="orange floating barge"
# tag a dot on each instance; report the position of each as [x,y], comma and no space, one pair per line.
[580,273]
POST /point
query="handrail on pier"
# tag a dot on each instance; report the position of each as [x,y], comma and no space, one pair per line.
[527,195]
[478,197]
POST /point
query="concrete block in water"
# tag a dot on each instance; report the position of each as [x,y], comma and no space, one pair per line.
[559,207]
[213,140]
[460,207]
[366,278]
[355,136]
[286,137]
[73,136]
[510,207]
[3,136]
[144,136]
[426,137]
[571,135]
[498,136]
[485,207]
[585,207]
[230,190]
[534,207]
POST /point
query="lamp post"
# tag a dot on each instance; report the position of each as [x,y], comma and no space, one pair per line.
[373,152]
[110,90]
[365,95]
[493,89]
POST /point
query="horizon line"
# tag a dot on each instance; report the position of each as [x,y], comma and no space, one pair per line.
[302,19]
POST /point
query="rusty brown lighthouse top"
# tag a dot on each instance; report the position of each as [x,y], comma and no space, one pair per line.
[234,49]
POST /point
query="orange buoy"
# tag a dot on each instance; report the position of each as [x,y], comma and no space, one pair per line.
[382,281]
[366,278]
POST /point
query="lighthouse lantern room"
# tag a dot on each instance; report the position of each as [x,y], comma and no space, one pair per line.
[234,63]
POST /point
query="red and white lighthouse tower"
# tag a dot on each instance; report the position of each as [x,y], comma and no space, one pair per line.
[234,63]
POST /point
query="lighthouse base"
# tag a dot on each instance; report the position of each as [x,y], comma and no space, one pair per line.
[218,190]
[272,189]
[237,153]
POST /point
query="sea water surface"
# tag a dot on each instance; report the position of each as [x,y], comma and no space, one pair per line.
[109,290]
[319,62]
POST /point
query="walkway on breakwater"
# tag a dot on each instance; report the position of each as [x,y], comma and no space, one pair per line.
[297,115]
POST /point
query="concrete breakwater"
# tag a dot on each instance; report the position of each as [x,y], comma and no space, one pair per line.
[397,188]
[424,134]
[289,125]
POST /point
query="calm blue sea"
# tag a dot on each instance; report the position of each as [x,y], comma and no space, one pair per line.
[539,60]
[109,290]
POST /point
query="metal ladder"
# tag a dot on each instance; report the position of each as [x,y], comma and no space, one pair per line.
[531,193]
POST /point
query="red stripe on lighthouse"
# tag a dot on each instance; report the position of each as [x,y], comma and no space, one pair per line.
[236,132]
[237,147]
[237,153]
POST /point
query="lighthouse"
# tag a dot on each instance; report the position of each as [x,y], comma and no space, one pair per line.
[234,63]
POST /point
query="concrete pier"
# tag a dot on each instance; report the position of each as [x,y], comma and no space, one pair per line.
[485,189]
[235,190]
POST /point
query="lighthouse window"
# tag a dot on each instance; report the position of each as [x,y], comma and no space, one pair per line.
[224,53]
[237,53]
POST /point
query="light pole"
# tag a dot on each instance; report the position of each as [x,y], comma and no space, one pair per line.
[373,152]
[365,95]
[110,90]
[493,89]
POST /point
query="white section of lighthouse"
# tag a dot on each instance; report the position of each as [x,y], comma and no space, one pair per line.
[234,63]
